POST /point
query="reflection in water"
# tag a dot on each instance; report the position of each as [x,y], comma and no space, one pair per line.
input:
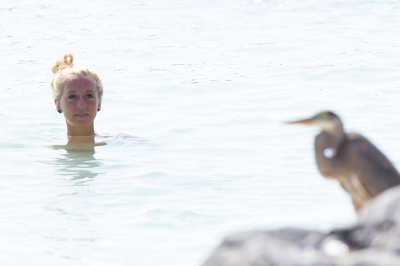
[78,165]
[76,161]
[76,158]
[75,164]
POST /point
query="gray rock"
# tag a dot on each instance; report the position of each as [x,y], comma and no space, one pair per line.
[373,241]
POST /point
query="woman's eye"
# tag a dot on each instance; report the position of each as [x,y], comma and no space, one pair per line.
[71,97]
[90,95]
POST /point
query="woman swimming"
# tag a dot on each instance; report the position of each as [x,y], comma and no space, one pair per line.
[77,93]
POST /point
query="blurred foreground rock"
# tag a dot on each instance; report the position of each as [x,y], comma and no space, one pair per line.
[374,240]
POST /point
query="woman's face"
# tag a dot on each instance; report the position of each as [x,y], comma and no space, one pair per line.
[79,102]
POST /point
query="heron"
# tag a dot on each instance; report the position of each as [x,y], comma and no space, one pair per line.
[350,158]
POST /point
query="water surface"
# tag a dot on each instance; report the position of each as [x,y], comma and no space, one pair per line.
[205,87]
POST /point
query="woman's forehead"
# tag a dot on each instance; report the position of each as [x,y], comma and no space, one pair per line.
[80,83]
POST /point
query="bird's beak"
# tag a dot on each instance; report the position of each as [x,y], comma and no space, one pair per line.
[306,122]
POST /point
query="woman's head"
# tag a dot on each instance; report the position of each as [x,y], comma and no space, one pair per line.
[64,70]
[77,94]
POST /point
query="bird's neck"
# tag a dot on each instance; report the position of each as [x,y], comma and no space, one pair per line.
[330,140]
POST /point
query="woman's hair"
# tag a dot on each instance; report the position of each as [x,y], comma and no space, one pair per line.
[64,70]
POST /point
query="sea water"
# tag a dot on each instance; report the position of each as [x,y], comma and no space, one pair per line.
[203,89]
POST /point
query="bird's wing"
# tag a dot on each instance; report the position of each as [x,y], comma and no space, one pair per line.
[376,172]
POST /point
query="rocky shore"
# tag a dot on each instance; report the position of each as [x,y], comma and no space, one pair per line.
[373,241]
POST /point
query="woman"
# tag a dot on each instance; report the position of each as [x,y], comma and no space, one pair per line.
[77,93]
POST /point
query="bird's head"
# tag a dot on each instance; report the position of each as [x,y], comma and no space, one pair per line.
[326,121]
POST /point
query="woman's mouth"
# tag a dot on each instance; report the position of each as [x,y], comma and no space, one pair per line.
[81,115]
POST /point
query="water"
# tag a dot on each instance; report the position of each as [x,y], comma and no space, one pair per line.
[204,88]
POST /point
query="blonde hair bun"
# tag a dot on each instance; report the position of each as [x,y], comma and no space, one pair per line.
[64,63]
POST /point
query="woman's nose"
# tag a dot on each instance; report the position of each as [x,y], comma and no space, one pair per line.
[81,103]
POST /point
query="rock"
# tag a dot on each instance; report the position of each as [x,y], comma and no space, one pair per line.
[373,241]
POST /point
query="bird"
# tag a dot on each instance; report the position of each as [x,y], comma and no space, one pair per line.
[350,158]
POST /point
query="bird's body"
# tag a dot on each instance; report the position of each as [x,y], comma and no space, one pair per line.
[361,169]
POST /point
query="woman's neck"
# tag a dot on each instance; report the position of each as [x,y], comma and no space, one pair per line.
[80,131]
[81,142]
